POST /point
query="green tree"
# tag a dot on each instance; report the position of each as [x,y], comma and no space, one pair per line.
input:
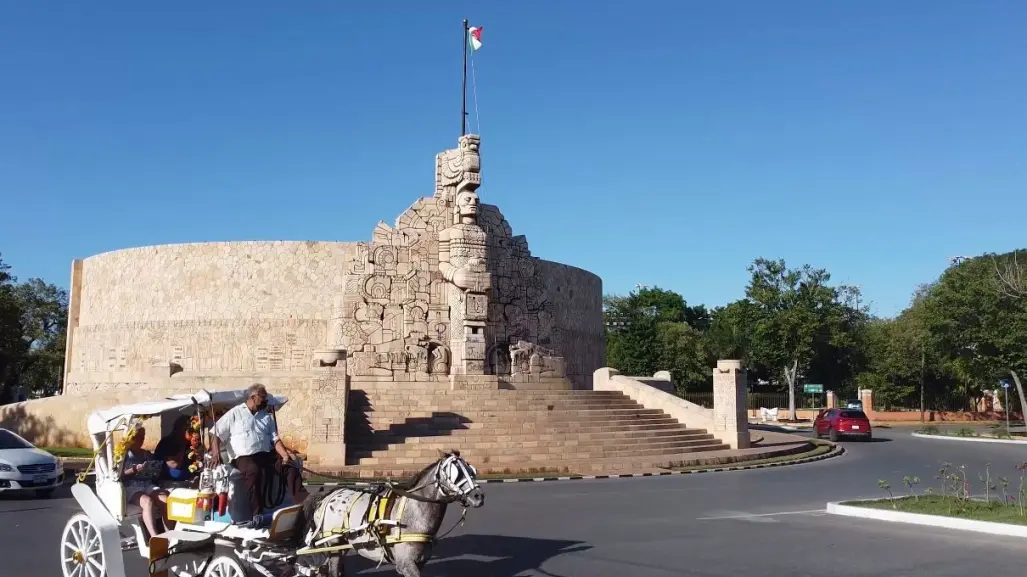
[44,310]
[33,323]
[12,346]
[977,322]
[795,316]
[682,352]
[653,329]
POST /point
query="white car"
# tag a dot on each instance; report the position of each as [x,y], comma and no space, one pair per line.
[25,468]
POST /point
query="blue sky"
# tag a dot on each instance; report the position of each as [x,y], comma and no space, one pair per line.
[662,143]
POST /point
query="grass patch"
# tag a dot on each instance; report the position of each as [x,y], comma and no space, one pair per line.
[949,506]
[822,448]
[68,452]
[994,432]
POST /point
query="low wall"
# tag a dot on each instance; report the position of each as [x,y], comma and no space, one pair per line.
[690,414]
[939,416]
[902,416]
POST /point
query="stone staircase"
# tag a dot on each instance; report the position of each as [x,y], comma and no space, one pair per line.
[511,431]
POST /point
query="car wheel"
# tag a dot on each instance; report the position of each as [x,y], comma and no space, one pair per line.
[44,493]
[832,435]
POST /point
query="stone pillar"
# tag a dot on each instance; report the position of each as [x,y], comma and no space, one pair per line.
[867,396]
[326,406]
[830,400]
[730,404]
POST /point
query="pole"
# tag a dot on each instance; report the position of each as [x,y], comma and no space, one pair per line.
[923,361]
[463,97]
[1006,389]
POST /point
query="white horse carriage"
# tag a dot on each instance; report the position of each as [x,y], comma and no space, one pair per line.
[205,541]
[216,535]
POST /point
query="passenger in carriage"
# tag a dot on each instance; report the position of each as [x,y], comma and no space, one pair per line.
[151,498]
[251,433]
[173,450]
[139,487]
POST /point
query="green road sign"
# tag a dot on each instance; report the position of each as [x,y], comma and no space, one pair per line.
[808,388]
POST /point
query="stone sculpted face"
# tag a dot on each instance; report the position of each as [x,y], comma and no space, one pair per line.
[467,205]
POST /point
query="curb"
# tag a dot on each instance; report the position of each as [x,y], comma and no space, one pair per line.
[835,452]
[968,439]
[929,520]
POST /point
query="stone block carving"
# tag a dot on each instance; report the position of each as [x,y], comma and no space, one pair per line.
[530,359]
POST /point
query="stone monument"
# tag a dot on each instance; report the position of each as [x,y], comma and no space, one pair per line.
[448,298]
[448,292]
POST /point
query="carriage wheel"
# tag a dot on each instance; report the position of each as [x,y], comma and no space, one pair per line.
[81,549]
[225,566]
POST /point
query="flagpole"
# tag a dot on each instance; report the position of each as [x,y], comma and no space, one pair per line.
[463,108]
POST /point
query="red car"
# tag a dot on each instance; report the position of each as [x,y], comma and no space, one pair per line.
[837,423]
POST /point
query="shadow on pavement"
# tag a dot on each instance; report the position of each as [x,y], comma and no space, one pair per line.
[491,555]
[857,441]
[30,494]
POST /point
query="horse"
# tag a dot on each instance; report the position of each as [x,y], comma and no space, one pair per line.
[394,524]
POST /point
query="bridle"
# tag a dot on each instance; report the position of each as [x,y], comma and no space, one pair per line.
[459,482]
[454,479]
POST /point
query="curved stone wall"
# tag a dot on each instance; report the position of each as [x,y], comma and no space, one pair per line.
[577,305]
[220,306]
[230,307]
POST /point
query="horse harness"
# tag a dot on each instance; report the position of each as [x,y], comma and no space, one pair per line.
[382,519]
[381,523]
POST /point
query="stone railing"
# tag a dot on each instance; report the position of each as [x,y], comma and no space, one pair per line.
[729,430]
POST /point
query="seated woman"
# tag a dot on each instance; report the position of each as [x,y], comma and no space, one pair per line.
[173,450]
[138,480]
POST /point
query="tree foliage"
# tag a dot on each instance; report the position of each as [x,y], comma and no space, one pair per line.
[33,326]
[958,337]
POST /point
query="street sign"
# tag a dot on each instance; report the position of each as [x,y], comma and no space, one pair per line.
[808,388]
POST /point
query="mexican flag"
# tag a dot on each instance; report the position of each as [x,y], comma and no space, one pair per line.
[474,37]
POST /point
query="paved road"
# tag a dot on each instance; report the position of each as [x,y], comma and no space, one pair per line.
[762,522]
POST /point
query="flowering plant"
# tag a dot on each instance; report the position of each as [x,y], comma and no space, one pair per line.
[132,429]
[193,436]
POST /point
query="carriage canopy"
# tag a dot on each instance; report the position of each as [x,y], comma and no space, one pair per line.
[107,420]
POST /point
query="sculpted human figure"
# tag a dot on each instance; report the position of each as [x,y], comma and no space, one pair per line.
[462,247]
[462,262]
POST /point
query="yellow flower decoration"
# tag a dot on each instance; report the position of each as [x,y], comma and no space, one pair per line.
[121,449]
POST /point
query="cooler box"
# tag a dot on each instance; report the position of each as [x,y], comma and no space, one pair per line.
[182,506]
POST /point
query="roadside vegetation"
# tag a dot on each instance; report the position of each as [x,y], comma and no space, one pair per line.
[996,496]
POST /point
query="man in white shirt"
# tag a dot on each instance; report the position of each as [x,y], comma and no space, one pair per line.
[252,437]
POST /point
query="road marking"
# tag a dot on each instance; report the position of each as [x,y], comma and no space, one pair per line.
[760,515]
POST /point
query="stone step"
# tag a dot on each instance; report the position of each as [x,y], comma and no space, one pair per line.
[431,427]
[507,459]
[476,414]
[557,466]
[395,397]
[381,438]
[473,436]
[500,414]
[778,444]
[460,405]
[554,448]
[552,385]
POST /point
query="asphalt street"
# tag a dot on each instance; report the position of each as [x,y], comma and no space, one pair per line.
[767,522]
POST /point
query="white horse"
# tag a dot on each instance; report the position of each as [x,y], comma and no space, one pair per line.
[387,524]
